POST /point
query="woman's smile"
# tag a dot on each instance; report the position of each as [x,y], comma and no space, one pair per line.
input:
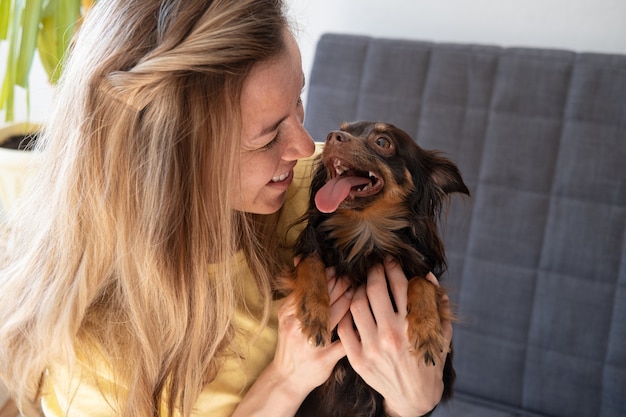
[282,177]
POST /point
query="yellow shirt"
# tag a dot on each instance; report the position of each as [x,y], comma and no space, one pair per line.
[79,391]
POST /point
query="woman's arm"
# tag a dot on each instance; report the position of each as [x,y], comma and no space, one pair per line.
[381,353]
[298,366]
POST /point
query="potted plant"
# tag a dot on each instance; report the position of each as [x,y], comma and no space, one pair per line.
[15,160]
[27,26]
[45,26]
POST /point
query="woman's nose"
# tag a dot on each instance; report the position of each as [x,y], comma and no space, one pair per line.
[301,145]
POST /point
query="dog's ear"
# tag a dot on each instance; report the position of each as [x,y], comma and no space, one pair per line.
[444,173]
[446,176]
[435,178]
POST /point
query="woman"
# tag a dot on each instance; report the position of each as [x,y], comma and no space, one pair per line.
[141,283]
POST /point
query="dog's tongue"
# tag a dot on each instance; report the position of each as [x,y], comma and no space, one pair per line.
[335,191]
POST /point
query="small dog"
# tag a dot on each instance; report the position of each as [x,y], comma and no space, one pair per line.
[375,193]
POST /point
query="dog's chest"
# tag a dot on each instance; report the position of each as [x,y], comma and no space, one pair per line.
[353,243]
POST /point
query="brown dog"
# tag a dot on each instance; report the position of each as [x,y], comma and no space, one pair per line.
[376,193]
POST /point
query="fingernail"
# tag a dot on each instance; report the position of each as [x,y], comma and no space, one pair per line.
[331,272]
[349,293]
[390,260]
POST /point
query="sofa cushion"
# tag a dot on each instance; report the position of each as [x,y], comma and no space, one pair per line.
[467,408]
[537,256]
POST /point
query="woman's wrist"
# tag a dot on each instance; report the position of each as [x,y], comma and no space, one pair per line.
[271,394]
[282,381]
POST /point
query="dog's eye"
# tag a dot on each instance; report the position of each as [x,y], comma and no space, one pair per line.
[383,142]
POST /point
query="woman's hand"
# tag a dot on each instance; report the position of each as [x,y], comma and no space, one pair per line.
[379,350]
[298,366]
[299,360]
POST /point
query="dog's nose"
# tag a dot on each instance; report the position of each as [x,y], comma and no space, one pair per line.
[337,136]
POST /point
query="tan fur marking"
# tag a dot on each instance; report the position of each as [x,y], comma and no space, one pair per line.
[426,310]
[312,299]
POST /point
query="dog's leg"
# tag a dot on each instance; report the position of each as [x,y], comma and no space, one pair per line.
[426,310]
[312,299]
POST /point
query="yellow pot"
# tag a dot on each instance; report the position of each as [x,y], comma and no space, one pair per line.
[14,164]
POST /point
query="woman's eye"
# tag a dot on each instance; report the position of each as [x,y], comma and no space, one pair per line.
[383,142]
[271,143]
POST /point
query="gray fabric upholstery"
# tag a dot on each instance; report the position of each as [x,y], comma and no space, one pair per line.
[537,256]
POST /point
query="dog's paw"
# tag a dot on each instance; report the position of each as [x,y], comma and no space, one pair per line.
[315,322]
[424,321]
[311,294]
[428,343]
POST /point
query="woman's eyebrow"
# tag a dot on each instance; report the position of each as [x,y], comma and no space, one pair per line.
[269,129]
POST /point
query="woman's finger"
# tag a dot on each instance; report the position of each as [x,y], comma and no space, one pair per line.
[362,316]
[340,307]
[348,336]
[377,293]
[398,283]
[432,278]
[336,286]
[287,307]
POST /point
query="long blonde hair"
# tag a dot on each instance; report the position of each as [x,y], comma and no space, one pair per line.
[117,232]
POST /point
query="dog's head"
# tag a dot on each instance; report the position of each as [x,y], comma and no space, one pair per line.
[377,166]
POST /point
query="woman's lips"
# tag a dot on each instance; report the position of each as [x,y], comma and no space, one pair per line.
[281,182]
[282,177]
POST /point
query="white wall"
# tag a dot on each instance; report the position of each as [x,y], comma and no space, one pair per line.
[579,25]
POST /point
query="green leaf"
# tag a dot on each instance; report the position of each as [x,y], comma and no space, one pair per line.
[5,15]
[7,96]
[67,14]
[47,48]
[30,27]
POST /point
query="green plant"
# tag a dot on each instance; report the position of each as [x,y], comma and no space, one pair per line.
[28,25]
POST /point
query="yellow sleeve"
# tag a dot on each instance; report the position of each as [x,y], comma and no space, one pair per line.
[76,391]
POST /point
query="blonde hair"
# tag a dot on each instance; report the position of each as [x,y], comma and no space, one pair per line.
[126,213]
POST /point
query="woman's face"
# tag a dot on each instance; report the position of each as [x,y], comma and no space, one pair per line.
[273,137]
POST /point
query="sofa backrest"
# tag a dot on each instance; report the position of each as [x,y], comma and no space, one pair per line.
[537,255]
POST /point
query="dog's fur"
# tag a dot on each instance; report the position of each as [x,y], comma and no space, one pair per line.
[395,215]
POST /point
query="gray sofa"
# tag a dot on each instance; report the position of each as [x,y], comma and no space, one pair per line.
[537,256]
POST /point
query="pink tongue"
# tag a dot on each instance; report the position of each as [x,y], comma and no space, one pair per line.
[335,191]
